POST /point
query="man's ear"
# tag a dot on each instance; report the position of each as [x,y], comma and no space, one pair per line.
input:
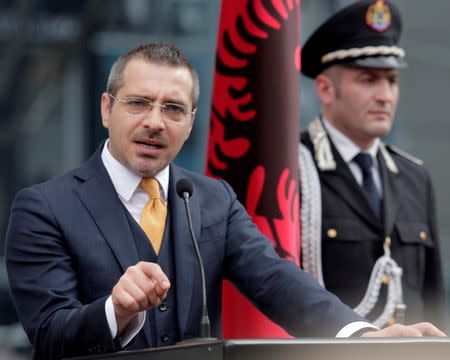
[190,128]
[105,109]
[325,89]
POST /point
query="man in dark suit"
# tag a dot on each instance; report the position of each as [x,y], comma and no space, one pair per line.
[86,278]
[379,240]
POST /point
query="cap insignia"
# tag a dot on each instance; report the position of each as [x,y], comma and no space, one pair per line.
[378,16]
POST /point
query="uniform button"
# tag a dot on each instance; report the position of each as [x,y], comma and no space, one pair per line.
[423,235]
[388,241]
[164,336]
[332,233]
[162,306]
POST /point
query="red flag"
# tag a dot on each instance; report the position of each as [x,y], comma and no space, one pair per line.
[254,133]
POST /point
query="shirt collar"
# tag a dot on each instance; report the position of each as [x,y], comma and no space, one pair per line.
[125,181]
[347,148]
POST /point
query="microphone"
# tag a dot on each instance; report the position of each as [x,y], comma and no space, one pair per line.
[184,190]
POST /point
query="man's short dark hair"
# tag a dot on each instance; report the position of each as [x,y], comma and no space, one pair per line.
[154,53]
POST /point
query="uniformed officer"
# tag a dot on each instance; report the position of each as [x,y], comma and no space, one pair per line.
[375,243]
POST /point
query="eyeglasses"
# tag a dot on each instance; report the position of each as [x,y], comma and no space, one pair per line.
[141,107]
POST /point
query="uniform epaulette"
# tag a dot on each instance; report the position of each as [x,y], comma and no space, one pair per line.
[404,154]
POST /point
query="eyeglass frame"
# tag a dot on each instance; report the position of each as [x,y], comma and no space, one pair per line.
[151,104]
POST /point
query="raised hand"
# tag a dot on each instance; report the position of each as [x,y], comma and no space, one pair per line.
[142,286]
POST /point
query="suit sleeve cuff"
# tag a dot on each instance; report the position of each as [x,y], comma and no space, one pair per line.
[130,331]
[353,328]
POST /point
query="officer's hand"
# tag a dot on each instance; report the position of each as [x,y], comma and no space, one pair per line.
[415,330]
[142,287]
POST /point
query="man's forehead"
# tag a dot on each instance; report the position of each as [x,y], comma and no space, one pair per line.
[136,65]
[372,70]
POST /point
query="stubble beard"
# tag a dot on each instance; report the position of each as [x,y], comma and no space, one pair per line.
[146,168]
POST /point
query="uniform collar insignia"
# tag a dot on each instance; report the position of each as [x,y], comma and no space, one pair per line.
[322,148]
[324,156]
[389,161]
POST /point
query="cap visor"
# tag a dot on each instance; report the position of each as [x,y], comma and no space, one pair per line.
[381,62]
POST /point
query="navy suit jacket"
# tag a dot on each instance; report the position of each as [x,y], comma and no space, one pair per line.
[69,241]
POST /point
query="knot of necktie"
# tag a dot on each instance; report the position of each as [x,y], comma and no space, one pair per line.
[151,187]
[364,161]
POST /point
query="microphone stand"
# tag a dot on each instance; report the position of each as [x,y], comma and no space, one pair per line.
[205,333]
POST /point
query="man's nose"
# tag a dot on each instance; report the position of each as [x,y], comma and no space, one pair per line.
[386,91]
[154,118]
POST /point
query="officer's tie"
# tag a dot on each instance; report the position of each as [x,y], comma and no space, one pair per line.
[364,161]
[153,218]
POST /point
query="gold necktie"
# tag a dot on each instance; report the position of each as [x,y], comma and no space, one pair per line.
[153,217]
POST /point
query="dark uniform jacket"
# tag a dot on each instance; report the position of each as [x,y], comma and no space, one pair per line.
[353,236]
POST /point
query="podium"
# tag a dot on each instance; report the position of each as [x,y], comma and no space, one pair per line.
[298,349]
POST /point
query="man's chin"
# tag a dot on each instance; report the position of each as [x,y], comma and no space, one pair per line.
[146,170]
[380,130]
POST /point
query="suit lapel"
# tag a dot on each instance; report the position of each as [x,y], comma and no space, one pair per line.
[391,200]
[187,271]
[342,182]
[100,199]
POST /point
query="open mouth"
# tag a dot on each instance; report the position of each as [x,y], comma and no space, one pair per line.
[150,143]
[149,147]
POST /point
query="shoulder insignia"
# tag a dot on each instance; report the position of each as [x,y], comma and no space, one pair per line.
[404,154]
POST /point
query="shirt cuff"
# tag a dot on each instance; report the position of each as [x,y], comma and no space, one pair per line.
[350,329]
[130,331]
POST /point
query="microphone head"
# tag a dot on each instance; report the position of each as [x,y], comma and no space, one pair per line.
[184,186]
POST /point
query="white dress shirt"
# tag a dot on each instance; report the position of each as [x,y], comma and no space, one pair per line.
[126,183]
[348,150]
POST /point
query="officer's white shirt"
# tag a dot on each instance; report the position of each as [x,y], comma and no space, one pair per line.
[348,150]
